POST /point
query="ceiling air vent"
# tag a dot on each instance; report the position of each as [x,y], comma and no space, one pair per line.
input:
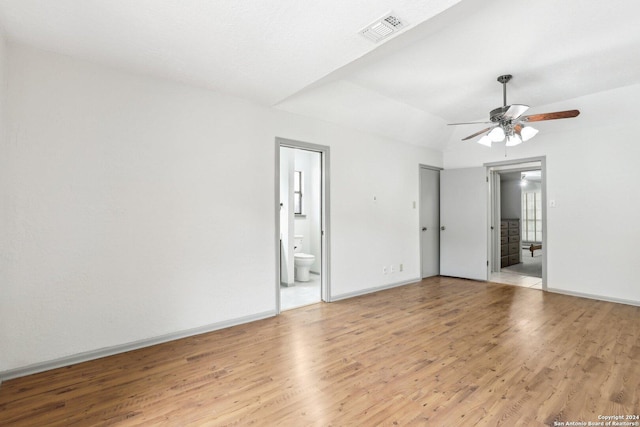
[383,28]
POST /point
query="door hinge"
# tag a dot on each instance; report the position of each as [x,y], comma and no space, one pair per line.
[487,178]
[487,263]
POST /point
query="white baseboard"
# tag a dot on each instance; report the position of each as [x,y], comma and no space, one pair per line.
[596,297]
[109,351]
[372,290]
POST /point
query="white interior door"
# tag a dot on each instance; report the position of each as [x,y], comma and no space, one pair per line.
[430,221]
[464,224]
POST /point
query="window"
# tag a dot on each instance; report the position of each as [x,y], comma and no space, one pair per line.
[297,192]
[532,216]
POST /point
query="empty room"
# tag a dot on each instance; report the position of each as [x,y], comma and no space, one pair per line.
[319,213]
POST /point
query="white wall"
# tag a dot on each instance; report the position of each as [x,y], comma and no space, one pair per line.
[125,214]
[592,174]
[378,232]
[6,215]
[3,85]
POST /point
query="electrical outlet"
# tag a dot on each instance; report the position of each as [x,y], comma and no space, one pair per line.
[392,269]
[401,267]
[384,270]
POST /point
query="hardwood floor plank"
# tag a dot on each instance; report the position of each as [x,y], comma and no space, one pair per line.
[443,351]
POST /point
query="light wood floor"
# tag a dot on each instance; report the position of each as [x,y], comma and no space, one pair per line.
[442,352]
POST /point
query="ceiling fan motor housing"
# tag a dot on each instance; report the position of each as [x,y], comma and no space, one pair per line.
[498,113]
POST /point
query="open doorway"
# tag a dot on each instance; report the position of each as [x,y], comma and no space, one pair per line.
[521,208]
[518,250]
[302,224]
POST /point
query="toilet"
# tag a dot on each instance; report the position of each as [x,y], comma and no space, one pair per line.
[301,261]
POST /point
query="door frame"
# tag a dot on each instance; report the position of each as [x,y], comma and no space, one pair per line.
[325,234]
[434,168]
[513,166]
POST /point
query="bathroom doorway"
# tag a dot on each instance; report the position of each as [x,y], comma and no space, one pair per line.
[302,224]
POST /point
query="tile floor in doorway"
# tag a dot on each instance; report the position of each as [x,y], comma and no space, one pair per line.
[301,294]
[517,276]
[516,280]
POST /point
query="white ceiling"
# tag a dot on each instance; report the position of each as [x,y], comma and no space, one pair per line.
[308,58]
[263,50]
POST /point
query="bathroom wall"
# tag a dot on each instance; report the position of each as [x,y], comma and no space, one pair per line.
[308,224]
[286,216]
[315,226]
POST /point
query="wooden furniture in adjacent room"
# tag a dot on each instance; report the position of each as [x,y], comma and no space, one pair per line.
[509,242]
[533,247]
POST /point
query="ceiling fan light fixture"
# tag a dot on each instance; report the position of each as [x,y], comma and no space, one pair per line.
[496,134]
[485,140]
[528,132]
[513,140]
[508,122]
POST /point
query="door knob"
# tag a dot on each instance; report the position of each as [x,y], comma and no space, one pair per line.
[424,228]
[443,228]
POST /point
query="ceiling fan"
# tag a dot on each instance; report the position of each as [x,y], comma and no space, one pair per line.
[509,123]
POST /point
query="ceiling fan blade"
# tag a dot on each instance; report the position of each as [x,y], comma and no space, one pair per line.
[515,111]
[478,133]
[551,116]
[468,123]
